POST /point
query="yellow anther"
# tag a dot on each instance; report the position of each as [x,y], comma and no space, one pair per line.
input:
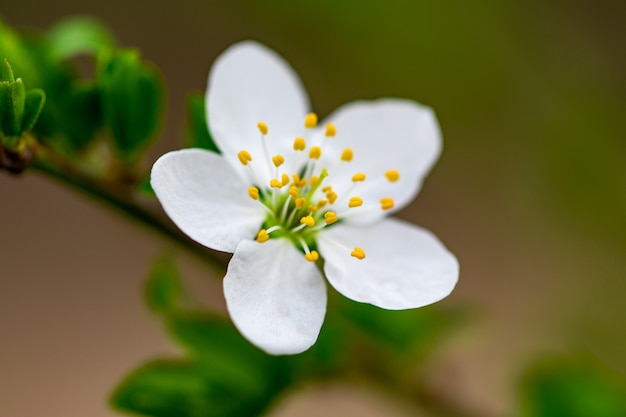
[278,160]
[274,183]
[331,131]
[360,177]
[308,220]
[313,181]
[392,175]
[285,179]
[253,192]
[299,144]
[386,203]
[327,189]
[244,157]
[347,155]
[262,236]
[330,217]
[315,152]
[310,121]
[311,208]
[358,253]
[293,191]
[355,202]
[331,196]
[300,202]
[312,256]
[262,128]
[298,182]
[322,203]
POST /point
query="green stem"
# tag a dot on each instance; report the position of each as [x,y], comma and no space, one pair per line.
[119,198]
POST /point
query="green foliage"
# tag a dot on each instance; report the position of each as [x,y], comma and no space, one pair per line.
[198,135]
[19,109]
[79,35]
[222,375]
[573,388]
[409,332]
[132,101]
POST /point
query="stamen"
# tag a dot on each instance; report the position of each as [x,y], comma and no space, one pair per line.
[315,152]
[314,180]
[311,208]
[278,160]
[347,155]
[322,203]
[274,183]
[386,203]
[312,256]
[262,236]
[331,131]
[327,189]
[262,128]
[355,202]
[293,191]
[310,121]
[358,253]
[244,157]
[331,196]
[285,179]
[308,220]
[253,192]
[300,202]
[360,177]
[392,175]
[299,144]
[330,217]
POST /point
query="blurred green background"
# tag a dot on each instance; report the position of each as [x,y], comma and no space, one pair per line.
[530,192]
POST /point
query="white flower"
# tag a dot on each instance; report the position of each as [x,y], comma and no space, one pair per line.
[285,192]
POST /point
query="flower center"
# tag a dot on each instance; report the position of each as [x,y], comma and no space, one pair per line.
[300,204]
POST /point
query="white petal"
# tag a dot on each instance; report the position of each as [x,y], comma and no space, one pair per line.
[205,197]
[385,134]
[250,83]
[275,297]
[405,266]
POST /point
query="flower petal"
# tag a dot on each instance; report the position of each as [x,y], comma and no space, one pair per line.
[387,134]
[204,196]
[275,297]
[405,266]
[248,84]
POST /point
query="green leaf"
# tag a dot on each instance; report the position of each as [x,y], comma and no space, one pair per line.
[132,99]
[561,387]
[6,74]
[12,98]
[79,35]
[163,291]
[35,99]
[187,389]
[410,332]
[198,135]
[82,114]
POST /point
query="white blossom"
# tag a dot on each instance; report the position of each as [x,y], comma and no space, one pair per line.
[287,193]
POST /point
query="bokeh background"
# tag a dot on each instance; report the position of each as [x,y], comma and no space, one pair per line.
[530,192]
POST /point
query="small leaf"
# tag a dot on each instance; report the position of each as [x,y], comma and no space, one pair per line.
[185,389]
[132,98]
[561,387]
[12,98]
[409,331]
[7,73]
[35,99]
[163,291]
[79,35]
[82,110]
[198,135]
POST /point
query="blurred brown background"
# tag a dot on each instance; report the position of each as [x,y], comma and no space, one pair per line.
[530,193]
